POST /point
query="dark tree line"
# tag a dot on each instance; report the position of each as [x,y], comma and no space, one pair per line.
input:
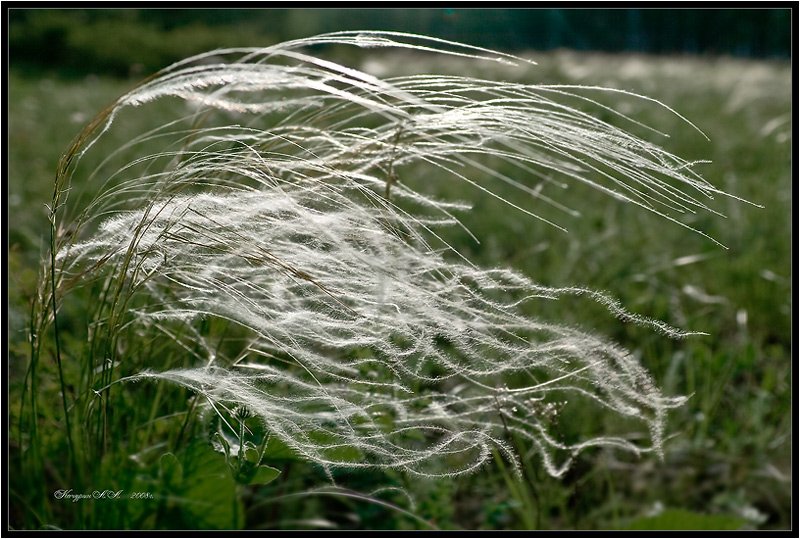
[113,40]
[741,32]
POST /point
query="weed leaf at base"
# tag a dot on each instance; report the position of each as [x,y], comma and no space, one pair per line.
[264,475]
[205,496]
[681,519]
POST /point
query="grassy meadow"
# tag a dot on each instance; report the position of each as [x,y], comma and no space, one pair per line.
[727,461]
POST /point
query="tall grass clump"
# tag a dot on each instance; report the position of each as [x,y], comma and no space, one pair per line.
[274,248]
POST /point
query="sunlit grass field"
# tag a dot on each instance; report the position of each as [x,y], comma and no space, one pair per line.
[728,459]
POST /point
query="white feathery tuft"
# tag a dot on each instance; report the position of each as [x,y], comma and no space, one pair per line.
[286,202]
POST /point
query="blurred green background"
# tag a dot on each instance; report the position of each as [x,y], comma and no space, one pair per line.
[728,463]
[135,41]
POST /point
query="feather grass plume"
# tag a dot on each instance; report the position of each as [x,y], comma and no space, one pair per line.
[285,201]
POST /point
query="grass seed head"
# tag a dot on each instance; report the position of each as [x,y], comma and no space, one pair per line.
[286,200]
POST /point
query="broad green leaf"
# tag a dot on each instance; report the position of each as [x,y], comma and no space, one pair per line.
[252,455]
[206,497]
[170,470]
[278,450]
[264,475]
[682,519]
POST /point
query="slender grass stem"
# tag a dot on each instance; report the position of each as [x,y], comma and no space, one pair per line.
[56,338]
